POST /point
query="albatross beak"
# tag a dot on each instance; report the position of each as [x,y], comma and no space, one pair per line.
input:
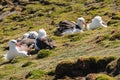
[17,44]
[84,23]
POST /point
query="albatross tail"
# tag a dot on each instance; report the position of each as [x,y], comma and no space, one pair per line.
[5,56]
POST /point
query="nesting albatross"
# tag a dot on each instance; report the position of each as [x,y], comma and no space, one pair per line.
[80,25]
[67,27]
[14,50]
[43,42]
[30,35]
[28,39]
[96,22]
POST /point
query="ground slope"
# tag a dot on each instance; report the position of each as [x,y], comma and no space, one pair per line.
[46,14]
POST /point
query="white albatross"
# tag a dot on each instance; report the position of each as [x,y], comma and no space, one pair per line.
[14,50]
[79,27]
[96,22]
[41,34]
[25,35]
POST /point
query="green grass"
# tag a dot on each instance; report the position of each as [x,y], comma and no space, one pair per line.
[72,46]
[43,53]
[36,74]
[104,77]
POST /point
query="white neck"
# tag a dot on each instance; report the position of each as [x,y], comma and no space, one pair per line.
[80,24]
[13,48]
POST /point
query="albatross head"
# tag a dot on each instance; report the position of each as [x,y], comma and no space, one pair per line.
[97,19]
[13,43]
[33,35]
[42,33]
[25,35]
[81,22]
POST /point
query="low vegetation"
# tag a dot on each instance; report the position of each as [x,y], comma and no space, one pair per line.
[84,47]
[43,53]
[27,64]
[104,77]
[35,74]
[82,67]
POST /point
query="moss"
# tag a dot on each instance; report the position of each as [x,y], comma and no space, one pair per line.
[39,15]
[35,74]
[104,77]
[83,66]
[64,68]
[43,53]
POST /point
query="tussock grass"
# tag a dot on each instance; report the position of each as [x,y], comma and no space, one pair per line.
[82,67]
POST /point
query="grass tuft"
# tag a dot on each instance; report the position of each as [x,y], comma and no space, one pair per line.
[43,53]
[104,77]
[35,74]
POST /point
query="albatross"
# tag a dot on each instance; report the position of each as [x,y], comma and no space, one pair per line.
[33,35]
[96,22]
[14,50]
[30,35]
[44,42]
[79,26]
[41,34]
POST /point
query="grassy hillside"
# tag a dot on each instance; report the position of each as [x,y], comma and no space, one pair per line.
[46,14]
